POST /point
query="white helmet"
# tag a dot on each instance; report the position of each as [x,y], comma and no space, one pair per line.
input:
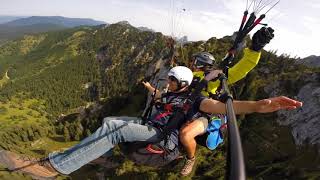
[183,74]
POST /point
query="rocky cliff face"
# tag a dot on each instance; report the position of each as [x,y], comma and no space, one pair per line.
[305,121]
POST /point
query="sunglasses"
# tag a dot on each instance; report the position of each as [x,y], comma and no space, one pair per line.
[199,64]
[172,78]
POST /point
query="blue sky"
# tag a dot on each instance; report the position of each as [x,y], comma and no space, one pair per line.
[296,22]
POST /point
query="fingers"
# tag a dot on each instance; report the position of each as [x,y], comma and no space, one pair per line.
[287,101]
[262,29]
[265,33]
[299,104]
[277,103]
[283,102]
[291,107]
[286,107]
[146,84]
[270,30]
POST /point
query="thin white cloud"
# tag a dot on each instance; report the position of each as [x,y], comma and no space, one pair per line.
[293,43]
[202,25]
[312,4]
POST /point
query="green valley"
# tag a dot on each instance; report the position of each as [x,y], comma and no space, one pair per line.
[62,84]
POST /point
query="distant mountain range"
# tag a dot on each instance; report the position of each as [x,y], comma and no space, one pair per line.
[18,27]
[311,61]
[57,20]
[5,19]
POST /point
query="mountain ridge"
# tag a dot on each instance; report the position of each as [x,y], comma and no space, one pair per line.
[6,18]
[37,24]
[311,61]
[76,77]
[59,20]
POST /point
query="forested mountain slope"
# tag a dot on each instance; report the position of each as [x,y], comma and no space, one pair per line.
[58,86]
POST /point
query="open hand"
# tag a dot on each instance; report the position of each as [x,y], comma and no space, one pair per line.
[277,103]
[146,84]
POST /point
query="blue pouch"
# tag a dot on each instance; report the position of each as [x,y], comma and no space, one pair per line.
[214,136]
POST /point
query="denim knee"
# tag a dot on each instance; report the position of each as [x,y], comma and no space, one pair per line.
[108,119]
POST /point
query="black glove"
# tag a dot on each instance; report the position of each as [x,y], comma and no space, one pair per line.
[261,38]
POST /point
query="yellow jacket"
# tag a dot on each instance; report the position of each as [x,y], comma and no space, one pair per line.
[249,60]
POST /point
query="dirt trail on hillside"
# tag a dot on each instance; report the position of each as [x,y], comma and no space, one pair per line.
[6,76]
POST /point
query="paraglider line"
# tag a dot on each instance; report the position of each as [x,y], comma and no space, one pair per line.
[247,5]
[265,5]
[272,7]
[258,5]
[250,5]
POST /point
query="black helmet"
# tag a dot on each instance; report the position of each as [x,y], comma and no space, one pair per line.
[203,59]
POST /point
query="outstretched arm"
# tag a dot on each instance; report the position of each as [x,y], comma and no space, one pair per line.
[246,107]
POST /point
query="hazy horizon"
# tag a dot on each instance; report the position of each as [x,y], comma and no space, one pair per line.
[296,34]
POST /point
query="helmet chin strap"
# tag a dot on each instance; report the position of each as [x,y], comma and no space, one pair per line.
[180,90]
[180,87]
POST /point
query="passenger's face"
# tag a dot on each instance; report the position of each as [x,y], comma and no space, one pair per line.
[193,67]
[173,84]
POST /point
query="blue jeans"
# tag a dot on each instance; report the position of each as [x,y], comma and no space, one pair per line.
[113,131]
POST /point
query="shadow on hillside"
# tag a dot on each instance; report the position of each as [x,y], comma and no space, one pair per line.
[39,151]
[57,138]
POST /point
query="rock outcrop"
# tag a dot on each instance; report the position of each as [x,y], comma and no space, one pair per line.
[305,121]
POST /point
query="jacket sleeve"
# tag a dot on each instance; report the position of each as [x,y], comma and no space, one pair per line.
[249,60]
